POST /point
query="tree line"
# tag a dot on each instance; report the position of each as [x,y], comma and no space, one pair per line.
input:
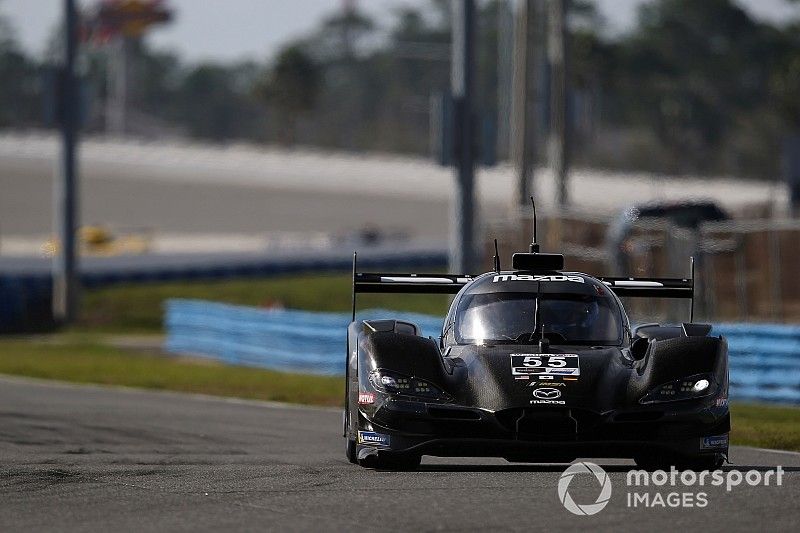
[693,87]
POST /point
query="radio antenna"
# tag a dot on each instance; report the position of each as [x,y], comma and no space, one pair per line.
[544,343]
[538,323]
[691,304]
[496,257]
[534,242]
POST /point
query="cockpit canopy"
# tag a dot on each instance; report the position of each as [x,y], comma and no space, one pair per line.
[572,309]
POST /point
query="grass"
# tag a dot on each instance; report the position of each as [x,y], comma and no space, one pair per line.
[87,359]
[138,308]
[766,426]
[78,359]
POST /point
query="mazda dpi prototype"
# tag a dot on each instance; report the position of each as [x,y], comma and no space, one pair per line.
[534,365]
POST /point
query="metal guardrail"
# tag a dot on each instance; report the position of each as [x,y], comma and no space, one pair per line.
[764,358]
[26,285]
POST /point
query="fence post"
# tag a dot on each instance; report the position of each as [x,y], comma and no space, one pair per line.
[776,300]
[741,278]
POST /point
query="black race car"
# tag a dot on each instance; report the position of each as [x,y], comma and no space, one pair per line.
[534,365]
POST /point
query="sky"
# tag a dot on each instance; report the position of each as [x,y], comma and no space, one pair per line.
[225,30]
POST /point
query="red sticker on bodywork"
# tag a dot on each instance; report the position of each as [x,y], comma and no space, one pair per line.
[366,398]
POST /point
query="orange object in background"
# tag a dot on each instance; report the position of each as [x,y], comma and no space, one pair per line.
[129,18]
[101,241]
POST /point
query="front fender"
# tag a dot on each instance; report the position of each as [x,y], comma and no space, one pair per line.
[406,354]
[673,359]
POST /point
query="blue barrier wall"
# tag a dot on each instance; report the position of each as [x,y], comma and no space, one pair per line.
[279,339]
[764,359]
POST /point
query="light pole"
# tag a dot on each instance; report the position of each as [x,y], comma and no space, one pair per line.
[462,247]
[65,262]
[523,133]
[559,98]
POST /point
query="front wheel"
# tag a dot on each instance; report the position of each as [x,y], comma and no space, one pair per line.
[398,463]
[698,464]
[350,444]
[350,450]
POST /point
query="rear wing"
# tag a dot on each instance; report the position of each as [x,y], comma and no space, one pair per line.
[373,282]
[376,282]
[650,287]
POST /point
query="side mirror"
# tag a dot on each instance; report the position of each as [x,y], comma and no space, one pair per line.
[696,330]
[643,327]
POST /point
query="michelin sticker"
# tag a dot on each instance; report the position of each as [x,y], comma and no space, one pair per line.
[717,441]
[545,364]
[370,437]
[534,277]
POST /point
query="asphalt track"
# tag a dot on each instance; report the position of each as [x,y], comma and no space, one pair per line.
[89,458]
[176,187]
[127,201]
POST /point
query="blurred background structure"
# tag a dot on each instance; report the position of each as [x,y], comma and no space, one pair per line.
[183,184]
[236,138]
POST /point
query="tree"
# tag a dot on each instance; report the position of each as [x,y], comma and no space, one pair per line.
[785,80]
[691,70]
[211,106]
[20,96]
[291,88]
[342,34]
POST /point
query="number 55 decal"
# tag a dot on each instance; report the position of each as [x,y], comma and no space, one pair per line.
[528,364]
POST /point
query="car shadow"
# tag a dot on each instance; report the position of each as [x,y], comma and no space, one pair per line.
[558,468]
[511,468]
[744,468]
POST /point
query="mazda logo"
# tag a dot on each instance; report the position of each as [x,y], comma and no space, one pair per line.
[547,394]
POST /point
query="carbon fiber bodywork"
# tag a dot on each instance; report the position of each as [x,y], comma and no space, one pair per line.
[622,401]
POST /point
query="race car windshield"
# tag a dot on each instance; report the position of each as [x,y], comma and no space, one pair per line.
[508,317]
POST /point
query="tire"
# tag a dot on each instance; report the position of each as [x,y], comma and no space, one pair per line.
[651,462]
[704,462]
[350,450]
[396,463]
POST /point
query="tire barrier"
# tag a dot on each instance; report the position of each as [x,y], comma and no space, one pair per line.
[277,339]
[764,358]
[764,361]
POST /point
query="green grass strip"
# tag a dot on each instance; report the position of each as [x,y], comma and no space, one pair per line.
[85,362]
[85,359]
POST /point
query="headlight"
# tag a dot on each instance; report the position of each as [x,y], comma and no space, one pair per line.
[394,383]
[689,388]
[700,385]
